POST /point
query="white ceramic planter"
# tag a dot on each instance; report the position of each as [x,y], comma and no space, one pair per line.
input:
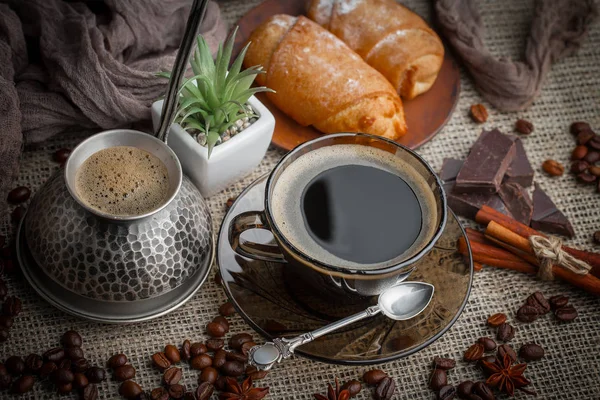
[230,160]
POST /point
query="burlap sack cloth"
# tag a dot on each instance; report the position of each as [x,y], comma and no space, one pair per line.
[570,368]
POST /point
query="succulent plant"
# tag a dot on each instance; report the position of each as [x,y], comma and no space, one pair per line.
[213,99]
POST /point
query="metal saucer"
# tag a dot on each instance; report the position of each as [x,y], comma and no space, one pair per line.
[105,311]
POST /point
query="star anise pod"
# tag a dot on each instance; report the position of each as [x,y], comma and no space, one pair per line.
[245,391]
[334,394]
[507,377]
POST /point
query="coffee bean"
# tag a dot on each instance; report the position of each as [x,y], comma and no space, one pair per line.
[17,214]
[483,391]
[23,385]
[374,376]
[531,352]
[124,372]
[80,365]
[594,143]
[220,358]
[65,364]
[95,374]
[538,301]
[553,168]
[47,369]
[216,330]
[218,279]
[172,354]
[246,348]
[443,363]
[200,362]
[74,353]
[496,320]
[566,313]
[227,309]
[592,157]
[586,178]
[558,301]
[505,332]
[185,350]
[64,388]
[62,376]
[54,355]
[159,394]
[447,393]
[438,379]
[527,313]
[579,126]
[71,339]
[80,380]
[488,343]
[3,370]
[15,365]
[474,352]
[172,376]
[19,195]
[479,113]
[12,306]
[231,356]
[237,340]
[214,344]
[385,389]
[579,152]
[4,334]
[5,381]
[90,392]
[233,368]
[578,167]
[223,321]
[117,360]
[523,126]
[61,155]
[585,136]
[465,389]
[130,390]
[204,391]
[353,386]
[594,170]
[208,374]
[198,348]
[176,391]
[505,349]
[33,363]
[481,363]
[161,361]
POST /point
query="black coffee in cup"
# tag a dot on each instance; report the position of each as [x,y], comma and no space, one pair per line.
[354,207]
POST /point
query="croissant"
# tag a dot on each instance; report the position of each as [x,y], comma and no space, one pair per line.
[320,81]
[388,36]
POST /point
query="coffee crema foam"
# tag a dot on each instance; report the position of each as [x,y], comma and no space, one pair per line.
[286,198]
[123,180]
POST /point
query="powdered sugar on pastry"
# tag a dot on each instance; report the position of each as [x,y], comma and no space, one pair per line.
[346,6]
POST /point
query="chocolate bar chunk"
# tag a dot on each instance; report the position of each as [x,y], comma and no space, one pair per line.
[520,170]
[450,169]
[486,164]
[467,204]
[547,217]
[517,201]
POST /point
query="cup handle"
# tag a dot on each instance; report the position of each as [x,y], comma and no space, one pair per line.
[256,251]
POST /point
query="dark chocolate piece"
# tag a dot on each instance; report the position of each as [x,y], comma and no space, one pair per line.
[547,217]
[467,204]
[450,169]
[486,164]
[520,170]
[517,201]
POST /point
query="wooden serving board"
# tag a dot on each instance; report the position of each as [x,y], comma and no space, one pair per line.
[425,115]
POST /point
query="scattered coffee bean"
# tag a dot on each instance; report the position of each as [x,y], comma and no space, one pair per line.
[54,355]
[592,157]
[19,195]
[214,344]
[577,127]
[485,359]
[237,340]
[12,306]
[558,301]
[585,136]
[15,365]
[61,155]
[531,352]
[17,214]
[95,374]
[218,279]
[479,113]
[130,390]
[488,343]
[4,334]
[538,301]
[227,309]
[496,320]
[80,365]
[216,330]
[208,374]
[586,178]
[23,384]
[553,168]
[579,152]
[438,379]
[505,332]
[506,349]
[246,348]
[172,376]
[64,388]
[474,353]
[385,389]
[220,358]
[566,313]
[223,321]
[161,361]
[71,339]
[198,348]
[221,383]
[594,143]
[117,360]
[204,391]
[483,391]
[579,166]
[33,363]
[233,368]
[176,391]
[124,372]
[229,203]
[200,362]
[256,375]
[594,170]
[465,389]
[447,393]
[47,369]
[172,354]
[374,376]
[353,387]
[80,380]
[65,364]
[523,126]
[159,394]
[62,376]
[443,363]
[527,313]
[74,353]
[185,351]
[232,356]
[90,392]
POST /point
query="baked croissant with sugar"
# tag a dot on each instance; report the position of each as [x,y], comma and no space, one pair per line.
[388,36]
[320,81]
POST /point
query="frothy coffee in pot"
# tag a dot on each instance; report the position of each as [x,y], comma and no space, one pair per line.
[123,180]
